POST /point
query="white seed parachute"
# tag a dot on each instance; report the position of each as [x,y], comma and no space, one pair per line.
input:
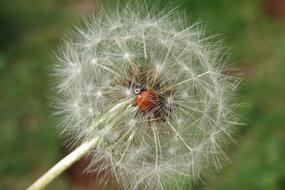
[153,89]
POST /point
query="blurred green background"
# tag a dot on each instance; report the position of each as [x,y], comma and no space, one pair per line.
[29,144]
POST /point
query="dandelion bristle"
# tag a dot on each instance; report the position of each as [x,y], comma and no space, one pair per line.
[153,89]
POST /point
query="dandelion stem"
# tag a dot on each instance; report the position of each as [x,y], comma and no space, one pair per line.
[76,155]
[62,165]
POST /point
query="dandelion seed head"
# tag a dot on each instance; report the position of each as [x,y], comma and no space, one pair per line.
[127,55]
[99,94]
[94,61]
[128,92]
[153,89]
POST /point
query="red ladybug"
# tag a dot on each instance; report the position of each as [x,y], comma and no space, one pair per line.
[146,99]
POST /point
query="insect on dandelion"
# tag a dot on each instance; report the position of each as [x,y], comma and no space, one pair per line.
[145,94]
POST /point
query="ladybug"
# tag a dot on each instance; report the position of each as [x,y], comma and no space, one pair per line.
[146,99]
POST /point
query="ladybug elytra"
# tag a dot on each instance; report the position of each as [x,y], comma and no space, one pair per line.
[145,99]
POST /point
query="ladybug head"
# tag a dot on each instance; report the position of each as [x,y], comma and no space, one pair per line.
[140,89]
